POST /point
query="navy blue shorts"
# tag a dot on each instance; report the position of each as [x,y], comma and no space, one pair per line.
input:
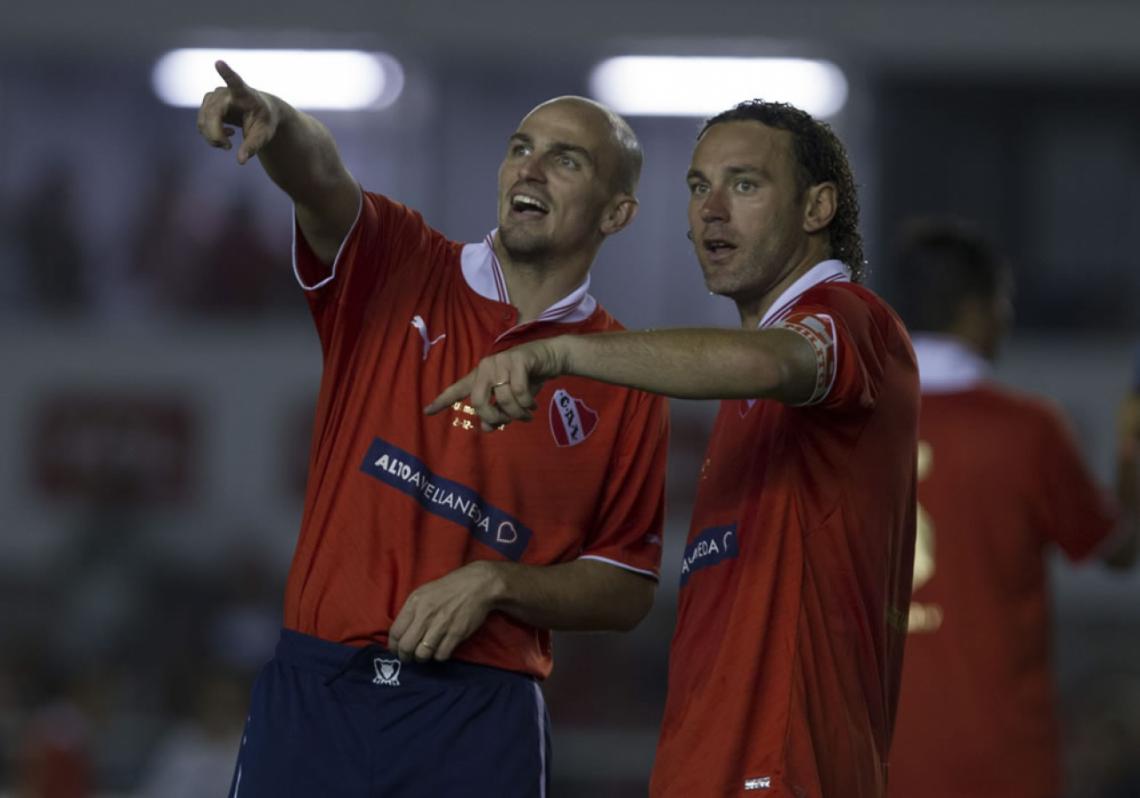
[333,721]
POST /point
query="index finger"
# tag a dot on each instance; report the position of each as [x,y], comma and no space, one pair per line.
[453,393]
[233,79]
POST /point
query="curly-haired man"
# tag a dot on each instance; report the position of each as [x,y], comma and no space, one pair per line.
[795,581]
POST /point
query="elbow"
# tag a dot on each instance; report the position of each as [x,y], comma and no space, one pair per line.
[634,604]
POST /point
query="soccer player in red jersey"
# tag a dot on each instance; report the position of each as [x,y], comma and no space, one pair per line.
[433,560]
[784,668]
[1001,481]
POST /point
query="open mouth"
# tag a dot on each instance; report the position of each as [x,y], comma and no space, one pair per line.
[528,207]
[718,247]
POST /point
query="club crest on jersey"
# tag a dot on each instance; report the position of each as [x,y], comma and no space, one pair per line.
[571,420]
[387,672]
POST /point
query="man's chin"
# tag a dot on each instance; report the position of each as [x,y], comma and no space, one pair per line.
[523,244]
[714,282]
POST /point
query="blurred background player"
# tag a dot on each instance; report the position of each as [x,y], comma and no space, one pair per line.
[1001,480]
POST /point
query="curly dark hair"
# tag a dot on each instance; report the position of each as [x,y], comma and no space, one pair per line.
[820,158]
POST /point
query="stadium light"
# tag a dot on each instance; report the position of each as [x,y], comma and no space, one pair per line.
[700,86]
[342,80]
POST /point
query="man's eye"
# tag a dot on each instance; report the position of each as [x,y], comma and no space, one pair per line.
[745,185]
[567,161]
[698,189]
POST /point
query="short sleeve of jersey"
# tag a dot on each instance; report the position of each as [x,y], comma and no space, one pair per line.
[1076,512]
[385,236]
[631,515]
[848,350]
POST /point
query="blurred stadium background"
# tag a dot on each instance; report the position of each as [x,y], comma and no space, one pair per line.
[159,369]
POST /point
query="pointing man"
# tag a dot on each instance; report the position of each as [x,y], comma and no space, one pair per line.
[432,560]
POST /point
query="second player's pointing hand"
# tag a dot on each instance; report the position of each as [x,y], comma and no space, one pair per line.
[503,387]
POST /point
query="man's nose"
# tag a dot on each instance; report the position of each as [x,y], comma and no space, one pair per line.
[531,168]
[714,208]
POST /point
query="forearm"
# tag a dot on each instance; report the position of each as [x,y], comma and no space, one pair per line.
[302,157]
[583,595]
[697,363]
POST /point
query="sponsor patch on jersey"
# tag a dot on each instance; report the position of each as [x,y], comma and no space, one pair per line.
[713,545]
[571,419]
[457,503]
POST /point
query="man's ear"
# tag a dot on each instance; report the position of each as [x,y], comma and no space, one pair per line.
[619,214]
[820,206]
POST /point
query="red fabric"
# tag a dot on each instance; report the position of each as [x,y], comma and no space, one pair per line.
[785,663]
[364,544]
[1000,478]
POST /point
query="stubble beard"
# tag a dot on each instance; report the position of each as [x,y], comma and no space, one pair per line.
[525,246]
[742,281]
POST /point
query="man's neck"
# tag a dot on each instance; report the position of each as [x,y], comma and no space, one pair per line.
[535,286]
[753,310]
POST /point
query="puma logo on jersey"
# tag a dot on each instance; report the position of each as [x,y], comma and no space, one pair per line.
[421,327]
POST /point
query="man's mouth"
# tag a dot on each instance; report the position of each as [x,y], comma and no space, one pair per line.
[718,248]
[528,206]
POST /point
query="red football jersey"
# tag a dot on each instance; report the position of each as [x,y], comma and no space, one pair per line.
[1000,478]
[396,499]
[784,668]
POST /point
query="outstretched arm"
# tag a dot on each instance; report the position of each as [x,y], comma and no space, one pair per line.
[578,595]
[296,151]
[685,363]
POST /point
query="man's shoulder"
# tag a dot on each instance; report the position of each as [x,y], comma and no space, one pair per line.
[601,320]
[847,296]
[863,313]
[403,221]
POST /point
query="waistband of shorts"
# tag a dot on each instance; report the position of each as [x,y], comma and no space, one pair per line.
[382,666]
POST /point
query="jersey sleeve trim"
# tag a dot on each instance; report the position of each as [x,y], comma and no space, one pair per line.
[818,329]
[624,566]
[340,250]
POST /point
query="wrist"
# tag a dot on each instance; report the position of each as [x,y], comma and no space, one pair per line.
[496,582]
[568,354]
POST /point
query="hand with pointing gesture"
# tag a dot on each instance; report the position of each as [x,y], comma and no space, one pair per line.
[503,387]
[238,105]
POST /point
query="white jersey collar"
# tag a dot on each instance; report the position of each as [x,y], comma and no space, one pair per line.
[946,365]
[483,273]
[828,271]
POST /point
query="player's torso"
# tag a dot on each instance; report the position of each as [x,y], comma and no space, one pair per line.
[543,475]
[785,550]
[397,499]
[977,649]
[978,495]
